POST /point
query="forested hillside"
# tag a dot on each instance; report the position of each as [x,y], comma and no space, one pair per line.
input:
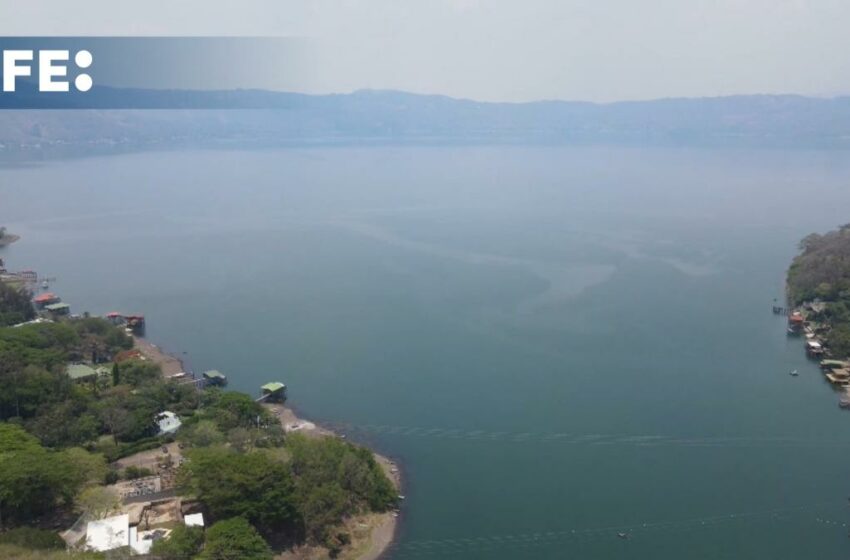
[821,272]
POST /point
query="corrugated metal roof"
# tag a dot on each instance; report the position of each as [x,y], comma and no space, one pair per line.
[273,387]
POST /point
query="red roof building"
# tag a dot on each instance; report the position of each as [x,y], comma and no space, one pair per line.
[48,297]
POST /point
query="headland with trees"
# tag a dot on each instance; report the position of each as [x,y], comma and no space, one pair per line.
[64,443]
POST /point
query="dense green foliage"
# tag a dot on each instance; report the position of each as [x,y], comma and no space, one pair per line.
[182,544]
[229,409]
[33,479]
[15,306]
[33,359]
[822,272]
[822,269]
[249,485]
[233,418]
[47,418]
[36,391]
[30,537]
[335,479]
[235,539]
[14,552]
[306,491]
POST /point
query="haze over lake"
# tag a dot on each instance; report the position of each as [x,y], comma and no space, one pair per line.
[557,343]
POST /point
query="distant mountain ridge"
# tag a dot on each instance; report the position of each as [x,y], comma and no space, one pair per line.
[143,117]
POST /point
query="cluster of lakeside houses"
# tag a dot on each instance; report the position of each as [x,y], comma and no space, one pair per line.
[150,506]
[50,307]
[800,323]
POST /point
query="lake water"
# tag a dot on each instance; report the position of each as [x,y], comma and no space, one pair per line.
[558,344]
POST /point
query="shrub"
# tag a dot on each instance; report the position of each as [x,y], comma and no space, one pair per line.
[32,538]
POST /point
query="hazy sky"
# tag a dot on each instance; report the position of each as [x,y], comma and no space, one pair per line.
[514,50]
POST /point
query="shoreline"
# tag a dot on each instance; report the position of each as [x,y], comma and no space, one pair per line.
[169,363]
[382,526]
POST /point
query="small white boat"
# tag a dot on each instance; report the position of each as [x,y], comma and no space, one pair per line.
[794,373]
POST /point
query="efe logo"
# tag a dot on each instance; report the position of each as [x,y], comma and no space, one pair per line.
[52,66]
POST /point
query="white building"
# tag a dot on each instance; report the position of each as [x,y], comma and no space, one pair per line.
[194,520]
[108,534]
[115,532]
[168,422]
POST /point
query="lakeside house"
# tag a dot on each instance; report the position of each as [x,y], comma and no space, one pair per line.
[796,322]
[133,324]
[814,349]
[57,309]
[273,392]
[215,377]
[834,364]
[168,422]
[45,299]
[839,377]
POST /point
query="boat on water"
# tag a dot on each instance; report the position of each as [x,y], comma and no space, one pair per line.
[794,373]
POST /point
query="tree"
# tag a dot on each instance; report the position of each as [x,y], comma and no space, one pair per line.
[230,410]
[64,424]
[335,479]
[114,417]
[839,341]
[97,502]
[33,480]
[116,375]
[202,434]
[84,468]
[322,508]
[15,305]
[250,485]
[239,439]
[235,539]
[137,373]
[182,544]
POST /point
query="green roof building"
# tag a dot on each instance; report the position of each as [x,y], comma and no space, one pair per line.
[275,391]
[215,377]
[58,308]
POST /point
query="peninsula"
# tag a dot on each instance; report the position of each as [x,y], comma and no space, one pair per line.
[818,289]
[107,445]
